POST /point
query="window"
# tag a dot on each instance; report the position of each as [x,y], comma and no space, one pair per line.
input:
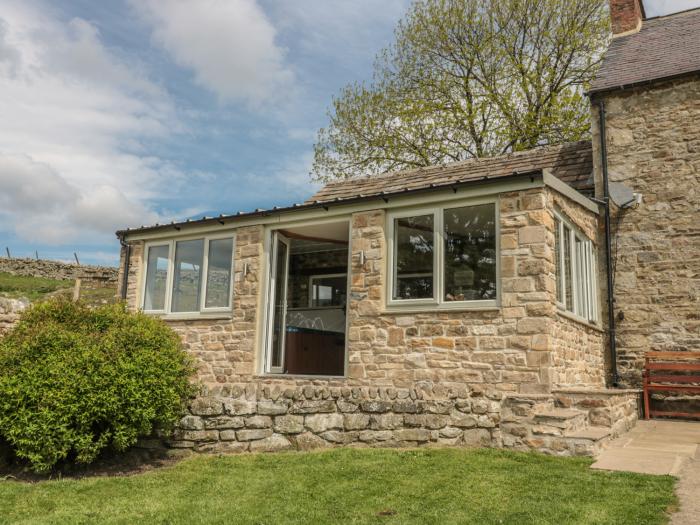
[188,276]
[444,256]
[156,278]
[576,273]
[414,242]
[328,291]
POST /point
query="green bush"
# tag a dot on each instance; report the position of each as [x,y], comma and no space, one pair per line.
[76,381]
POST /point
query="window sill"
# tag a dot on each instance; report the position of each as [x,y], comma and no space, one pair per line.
[213,316]
[299,376]
[435,308]
[579,320]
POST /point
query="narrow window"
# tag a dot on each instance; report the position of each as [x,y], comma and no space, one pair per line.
[414,245]
[187,280]
[558,261]
[219,273]
[470,253]
[156,278]
[568,270]
[576,271]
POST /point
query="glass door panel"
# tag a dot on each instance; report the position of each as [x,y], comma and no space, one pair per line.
[278,302]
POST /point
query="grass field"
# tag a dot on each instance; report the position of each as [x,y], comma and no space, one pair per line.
[33,288]
[351,486]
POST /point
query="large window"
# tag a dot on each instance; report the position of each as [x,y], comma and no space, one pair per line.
[576,273]
[188,276]
[444,256]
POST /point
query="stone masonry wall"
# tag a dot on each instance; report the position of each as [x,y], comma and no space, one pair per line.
[507,348]
[653,136]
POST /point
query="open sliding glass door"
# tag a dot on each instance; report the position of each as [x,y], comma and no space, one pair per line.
[277,312]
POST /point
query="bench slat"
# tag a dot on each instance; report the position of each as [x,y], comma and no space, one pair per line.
[674,388]
[673,414]
[656,378]
[684,355]
[691,367]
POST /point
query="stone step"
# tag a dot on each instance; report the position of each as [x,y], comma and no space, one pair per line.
[591,433]
[525,405]
[559,421]
[590,441]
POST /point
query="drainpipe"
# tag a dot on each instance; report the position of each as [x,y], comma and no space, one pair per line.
[127,257]
[608,245]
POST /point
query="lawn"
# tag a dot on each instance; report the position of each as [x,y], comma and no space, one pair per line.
[33,288]
[351,486]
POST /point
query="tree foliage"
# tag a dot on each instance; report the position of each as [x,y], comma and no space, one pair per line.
[468,78]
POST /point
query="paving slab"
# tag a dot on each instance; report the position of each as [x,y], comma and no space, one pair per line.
[662,447]
[688,492]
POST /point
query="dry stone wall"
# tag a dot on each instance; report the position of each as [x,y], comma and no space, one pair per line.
[258,418]
[653,136]
[104,275]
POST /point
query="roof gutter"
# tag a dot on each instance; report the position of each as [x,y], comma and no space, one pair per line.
[608,246]
[384,196]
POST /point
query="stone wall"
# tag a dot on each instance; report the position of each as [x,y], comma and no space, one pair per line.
[103,275]
[654,148]
[259,417]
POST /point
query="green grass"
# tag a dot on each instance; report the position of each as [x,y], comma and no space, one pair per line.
[351,486]
[33,288]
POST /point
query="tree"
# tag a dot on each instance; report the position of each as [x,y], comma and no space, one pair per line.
[464,79]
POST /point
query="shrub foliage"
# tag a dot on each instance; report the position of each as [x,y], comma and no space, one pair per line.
[76,381]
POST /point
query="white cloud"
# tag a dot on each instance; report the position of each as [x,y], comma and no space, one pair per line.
[74,118]
[654,8]
[45,207]
[228,44]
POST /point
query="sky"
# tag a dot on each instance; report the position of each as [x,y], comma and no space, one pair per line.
[127,112]
[120,113]
[654,8]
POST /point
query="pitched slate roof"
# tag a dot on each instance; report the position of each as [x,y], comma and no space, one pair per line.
[665,47]
[571,163]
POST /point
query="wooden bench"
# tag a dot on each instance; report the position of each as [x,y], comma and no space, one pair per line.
[671,372]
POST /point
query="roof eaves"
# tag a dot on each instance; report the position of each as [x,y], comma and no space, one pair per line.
[592,92]
[385,196]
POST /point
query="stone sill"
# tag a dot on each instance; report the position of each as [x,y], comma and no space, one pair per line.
[398,310]
[194,317]
[580,320]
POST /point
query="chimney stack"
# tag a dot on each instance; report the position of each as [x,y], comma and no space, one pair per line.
[626,16]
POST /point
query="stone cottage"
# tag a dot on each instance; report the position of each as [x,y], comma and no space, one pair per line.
[457,304]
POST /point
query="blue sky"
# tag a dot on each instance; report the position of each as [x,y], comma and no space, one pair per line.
[121,113]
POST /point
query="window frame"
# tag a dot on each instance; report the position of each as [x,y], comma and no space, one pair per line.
[311,289]
[437,301]
[172,245]
[584,272]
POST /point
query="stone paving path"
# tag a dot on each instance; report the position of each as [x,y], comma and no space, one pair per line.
[662,447]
